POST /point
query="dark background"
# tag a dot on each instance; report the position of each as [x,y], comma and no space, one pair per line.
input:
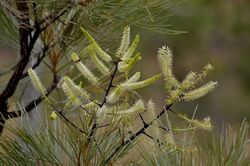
[217,32]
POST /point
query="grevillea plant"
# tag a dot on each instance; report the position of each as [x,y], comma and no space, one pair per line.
[103,107]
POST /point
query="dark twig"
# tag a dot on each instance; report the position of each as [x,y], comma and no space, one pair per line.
[38,62]
[24,32]
[157,140]
[143,121]
[105,98]
[27,43]
[138,133]
[67,120]
[55,18]
[110,83]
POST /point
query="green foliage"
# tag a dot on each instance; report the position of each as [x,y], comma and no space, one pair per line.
[101,17]
[8,32]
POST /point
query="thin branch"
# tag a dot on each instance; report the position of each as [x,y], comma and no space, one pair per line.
[68,121]
[38,62]
[110,83]
[55,18]
[24,32]
[105,97]
[24,52]
[26,47]
[138,133]
[143,121]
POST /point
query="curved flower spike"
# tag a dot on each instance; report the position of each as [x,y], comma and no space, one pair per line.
[204,124]
[100,66]
[97,48]
[76,90]
[165,59]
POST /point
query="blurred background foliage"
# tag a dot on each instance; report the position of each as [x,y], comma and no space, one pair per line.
[218,32]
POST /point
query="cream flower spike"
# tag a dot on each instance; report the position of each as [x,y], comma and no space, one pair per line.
[205,71]
[200,92]
[124,42]
[97,48]
[84,70]
[134,78]
[77,90]
[189,81]
[185,90]
[115,95]
[131,49]
[36,82]
[73,99]
[131,84]
[140,84]
[165,59]
[136,108]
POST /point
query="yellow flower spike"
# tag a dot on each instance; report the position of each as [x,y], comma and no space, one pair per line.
[131,49]
[97,48]
[140,84]
[134,78]
[100,66]
[117,92]
[53,115]
[189,81]
[125,67]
